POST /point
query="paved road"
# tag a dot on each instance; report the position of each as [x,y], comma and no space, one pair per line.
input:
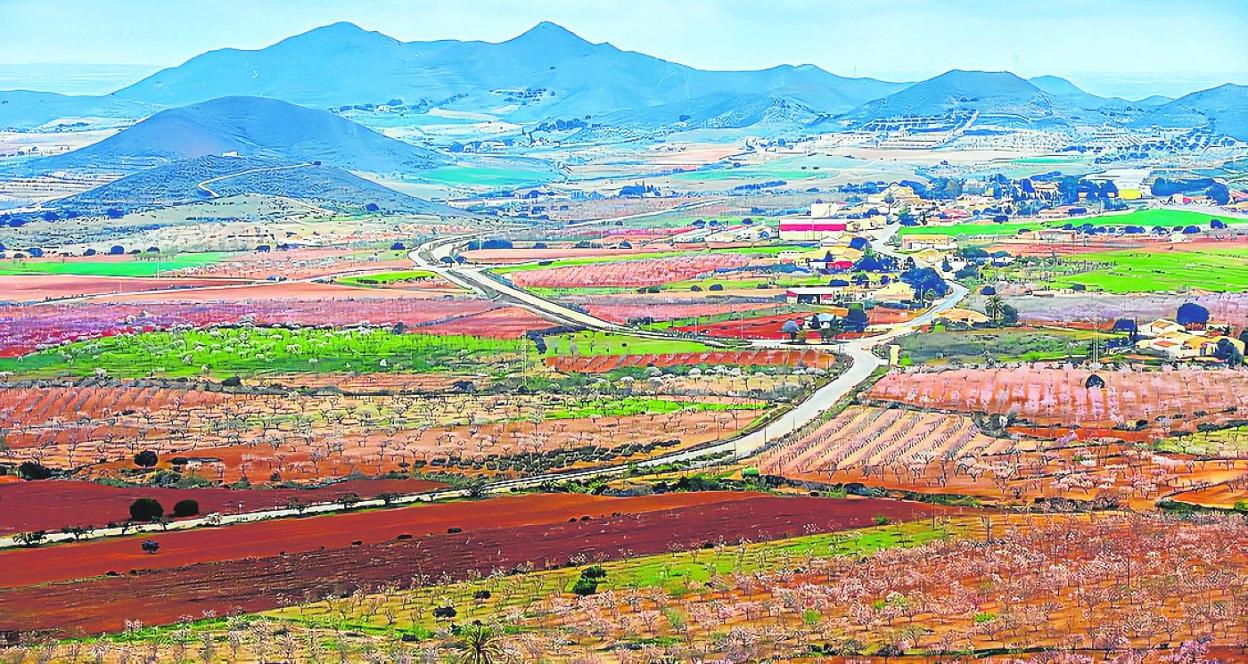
[428,256]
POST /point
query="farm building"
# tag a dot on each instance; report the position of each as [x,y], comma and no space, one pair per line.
[811,230]
[897,292]
[1160,327]
[964,317]
[821,295]
[1183,346]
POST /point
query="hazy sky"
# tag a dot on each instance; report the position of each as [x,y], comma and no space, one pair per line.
[1167,46]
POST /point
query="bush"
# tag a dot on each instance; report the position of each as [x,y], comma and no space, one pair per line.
[145,459]
[584,587]
[146,509]
[33,470]
[186,507]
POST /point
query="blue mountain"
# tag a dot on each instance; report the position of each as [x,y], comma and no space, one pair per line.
[1223,110]
[545,73]
[206,177]
[24,110]
[251,127]
[1000,96]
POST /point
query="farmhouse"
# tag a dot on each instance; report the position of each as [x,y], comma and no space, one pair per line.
[921,242]
[1160,327]
[1184,346]
[895,293]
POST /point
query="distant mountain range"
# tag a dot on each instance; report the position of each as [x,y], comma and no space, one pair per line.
[545,73]
[276,102]
[250,127]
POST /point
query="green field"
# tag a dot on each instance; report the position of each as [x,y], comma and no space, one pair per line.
[1003,345]
[1221,270]
[590,343]
[1223,443]
[628,406]
[386,278]
[1146,218]
[243,351]
[139,265]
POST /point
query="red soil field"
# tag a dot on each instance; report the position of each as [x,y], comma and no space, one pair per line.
[621,310]
[505,256]
[20,567]
[766,358]
[94,605]
[888,315]
[37,287]
[284,290]
[501,323]
[54,504]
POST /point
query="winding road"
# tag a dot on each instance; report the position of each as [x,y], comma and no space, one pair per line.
[429,257]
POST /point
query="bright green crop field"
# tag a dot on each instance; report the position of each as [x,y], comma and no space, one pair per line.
[1146,218]
[139,265]
[1221,270]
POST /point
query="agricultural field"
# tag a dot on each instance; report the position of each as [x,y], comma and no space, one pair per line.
[1152,403]
[977,347]
[1169,270]
[142,265]
[1146,218]
[338,347]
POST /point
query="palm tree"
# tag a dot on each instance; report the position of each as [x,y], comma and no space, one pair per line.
[995,308]
[479,646]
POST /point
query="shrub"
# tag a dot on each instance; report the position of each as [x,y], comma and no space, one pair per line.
[146,509]
[33,470]
[145,459]
[584,587]
[186,507]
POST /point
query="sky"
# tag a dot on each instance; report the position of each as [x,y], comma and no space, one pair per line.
[1125,47]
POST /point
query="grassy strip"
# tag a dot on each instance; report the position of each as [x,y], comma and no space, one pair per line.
[629,406]
[138,265]
[1145,218]
[386,278]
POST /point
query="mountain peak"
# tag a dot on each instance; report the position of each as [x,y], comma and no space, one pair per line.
[547,34]
[342,31]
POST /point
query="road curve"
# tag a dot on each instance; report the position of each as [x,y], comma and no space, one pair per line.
[863,362]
